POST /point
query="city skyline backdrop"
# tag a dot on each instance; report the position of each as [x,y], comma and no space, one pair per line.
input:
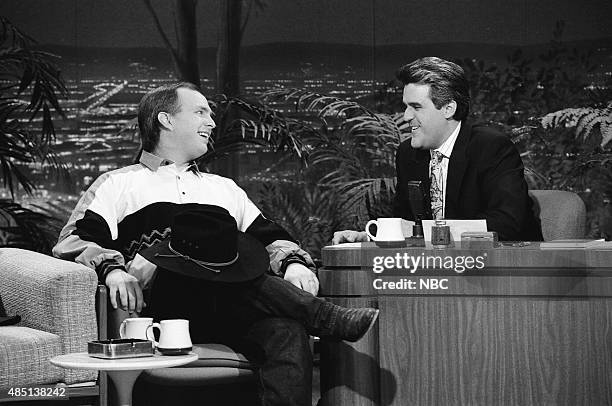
[110,54]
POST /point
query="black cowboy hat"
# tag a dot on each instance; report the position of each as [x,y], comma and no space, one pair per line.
[205,243]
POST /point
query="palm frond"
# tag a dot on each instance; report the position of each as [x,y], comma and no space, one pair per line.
[308,213]
[355,148]
[241,122]
[24,69]
[367,198]
[324,106]
[28,229]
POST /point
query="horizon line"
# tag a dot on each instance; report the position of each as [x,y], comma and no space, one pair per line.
[492,44]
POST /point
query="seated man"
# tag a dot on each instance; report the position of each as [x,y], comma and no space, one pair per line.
[130,209]
[474,172]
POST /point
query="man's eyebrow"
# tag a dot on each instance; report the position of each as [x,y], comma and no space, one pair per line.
[203,107]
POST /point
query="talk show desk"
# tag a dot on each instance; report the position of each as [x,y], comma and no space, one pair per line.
[530,327]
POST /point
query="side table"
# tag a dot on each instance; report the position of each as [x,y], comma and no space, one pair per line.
[123,372]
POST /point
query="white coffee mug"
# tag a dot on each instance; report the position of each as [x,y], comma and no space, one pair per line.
[174,336]
[136,327]
[388,229]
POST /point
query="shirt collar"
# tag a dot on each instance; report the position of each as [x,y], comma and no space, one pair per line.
[446,149]
[152,161]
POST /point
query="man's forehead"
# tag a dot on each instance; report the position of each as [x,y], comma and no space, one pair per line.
[189,97]
[415,92]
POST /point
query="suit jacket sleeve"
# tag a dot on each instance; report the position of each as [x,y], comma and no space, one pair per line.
[503,189]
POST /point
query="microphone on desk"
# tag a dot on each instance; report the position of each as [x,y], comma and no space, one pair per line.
[418,198]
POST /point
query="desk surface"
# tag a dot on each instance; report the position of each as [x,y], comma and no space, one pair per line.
[348,271]
[530,256]
[82,360]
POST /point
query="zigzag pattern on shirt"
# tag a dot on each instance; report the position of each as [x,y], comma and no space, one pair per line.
[146,241]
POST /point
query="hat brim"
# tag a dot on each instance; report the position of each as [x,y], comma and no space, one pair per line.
[253,261]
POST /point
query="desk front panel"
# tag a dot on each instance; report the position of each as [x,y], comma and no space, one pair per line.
[498,336]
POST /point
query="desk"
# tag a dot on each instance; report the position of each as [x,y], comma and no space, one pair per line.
[123,372]
[531,327]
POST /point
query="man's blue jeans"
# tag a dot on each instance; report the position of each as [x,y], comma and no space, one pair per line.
[266,319]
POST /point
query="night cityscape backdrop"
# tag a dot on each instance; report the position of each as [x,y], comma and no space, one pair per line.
[110,54]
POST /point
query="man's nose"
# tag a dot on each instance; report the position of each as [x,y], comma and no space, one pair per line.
[408,114]
[210,122]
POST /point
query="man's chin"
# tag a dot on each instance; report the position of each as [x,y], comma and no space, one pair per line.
[415,142]
[195,156]
[420,142]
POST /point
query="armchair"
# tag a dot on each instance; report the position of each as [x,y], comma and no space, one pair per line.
[56,300]
[562,214]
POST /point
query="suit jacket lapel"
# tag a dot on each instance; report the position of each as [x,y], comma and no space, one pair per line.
[456,169]
[422,165]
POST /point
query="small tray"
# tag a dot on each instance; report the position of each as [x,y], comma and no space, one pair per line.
[120,348]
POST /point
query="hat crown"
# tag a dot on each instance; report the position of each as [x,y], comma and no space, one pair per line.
[206,233]
[205,243]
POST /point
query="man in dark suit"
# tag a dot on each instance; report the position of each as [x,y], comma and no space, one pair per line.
[472,171]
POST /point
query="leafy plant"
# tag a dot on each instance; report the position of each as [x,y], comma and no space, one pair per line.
[353,148]
[25,69]
[24,228]
[241,122]
[592,163]
[309,213]
[32,73]
[588,121]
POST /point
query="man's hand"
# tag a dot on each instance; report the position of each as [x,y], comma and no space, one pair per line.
[349,236]
[302,277]
[142,270]
[128,288]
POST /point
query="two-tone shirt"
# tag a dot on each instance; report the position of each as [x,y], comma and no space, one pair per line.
[129,209]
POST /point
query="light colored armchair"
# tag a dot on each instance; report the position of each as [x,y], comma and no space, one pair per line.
[56,300]
[562,214]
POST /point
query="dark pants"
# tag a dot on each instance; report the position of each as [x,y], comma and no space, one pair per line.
[266,319]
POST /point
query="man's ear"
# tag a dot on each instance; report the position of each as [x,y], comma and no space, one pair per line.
[165,120]
[449,109]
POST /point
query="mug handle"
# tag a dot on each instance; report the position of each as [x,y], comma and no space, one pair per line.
[367,229]
[150,333]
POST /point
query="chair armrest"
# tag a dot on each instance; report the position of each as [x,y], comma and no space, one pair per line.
[116,316]
[51,295]
[102,311]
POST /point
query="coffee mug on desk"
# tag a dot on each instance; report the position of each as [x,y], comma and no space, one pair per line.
[174,336]
[136,327]
[389,230]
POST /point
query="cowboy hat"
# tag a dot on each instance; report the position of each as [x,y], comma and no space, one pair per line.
[205,243]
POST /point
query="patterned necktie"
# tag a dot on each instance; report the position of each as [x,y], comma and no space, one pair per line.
[435,188]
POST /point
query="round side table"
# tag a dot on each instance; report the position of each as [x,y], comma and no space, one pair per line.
[123,372]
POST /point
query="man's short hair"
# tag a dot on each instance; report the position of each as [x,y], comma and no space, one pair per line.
[446,82]
[161,99]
